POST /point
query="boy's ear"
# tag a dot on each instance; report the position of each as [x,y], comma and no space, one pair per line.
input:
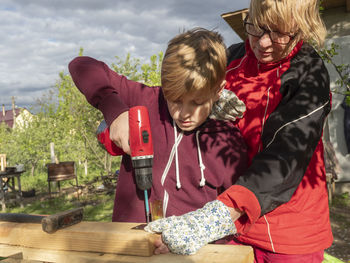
[222,86]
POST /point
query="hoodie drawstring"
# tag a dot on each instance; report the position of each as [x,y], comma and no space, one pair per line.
[201,165]
[167,167]
[174,153]
[178,183]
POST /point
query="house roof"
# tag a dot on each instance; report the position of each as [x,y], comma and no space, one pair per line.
[8,117]
[235,21]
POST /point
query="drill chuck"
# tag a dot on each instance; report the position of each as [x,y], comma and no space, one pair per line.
[143,171]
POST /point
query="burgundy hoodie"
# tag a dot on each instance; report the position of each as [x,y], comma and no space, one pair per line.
[218,144]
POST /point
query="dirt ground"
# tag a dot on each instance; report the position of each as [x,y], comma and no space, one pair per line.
[340,221]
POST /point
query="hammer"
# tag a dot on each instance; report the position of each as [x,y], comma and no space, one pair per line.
[51,223]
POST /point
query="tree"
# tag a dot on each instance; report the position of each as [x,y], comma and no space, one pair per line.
[65,118]
[343,70]
[151,72]
[147,73]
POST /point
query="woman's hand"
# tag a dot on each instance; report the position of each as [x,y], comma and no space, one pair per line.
[119,132]
[187,233]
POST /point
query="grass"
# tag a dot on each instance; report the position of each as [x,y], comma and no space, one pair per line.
[342,200]
[39,181]
[330,259]
[96,207]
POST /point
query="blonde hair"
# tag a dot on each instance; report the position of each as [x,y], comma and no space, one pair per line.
[194,60]
[295,16]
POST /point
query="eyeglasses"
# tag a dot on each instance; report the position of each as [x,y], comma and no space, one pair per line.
[275,36]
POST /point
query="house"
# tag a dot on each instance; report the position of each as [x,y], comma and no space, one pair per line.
[336,16]
[17,117]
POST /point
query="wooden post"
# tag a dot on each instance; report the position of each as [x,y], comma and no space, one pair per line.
[3,162]
[86,167]
[52,152]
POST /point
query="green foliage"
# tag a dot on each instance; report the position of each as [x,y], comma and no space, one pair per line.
[151,72]
[343,70]
[129,67]
[65,118]
[147,73]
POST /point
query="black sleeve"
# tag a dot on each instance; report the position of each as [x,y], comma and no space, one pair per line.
[234,52]
[291,133]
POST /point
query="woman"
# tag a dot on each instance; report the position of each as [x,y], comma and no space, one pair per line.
[280,205]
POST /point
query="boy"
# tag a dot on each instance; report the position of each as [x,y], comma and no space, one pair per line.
[195,157]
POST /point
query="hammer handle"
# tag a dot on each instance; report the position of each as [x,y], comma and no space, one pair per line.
[20,218]
[50,223]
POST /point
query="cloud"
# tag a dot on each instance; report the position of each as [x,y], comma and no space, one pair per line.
[40,37]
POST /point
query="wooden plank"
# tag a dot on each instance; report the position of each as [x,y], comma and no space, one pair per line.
[61,177]
[106,237]
[235,21]
[60,171]
[207,254]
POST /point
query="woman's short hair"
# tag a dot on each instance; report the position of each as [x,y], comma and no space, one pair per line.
[194,60]
[295,16]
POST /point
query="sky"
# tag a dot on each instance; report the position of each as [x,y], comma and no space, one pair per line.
[40,37]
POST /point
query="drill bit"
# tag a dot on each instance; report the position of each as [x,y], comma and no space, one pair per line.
[147,207]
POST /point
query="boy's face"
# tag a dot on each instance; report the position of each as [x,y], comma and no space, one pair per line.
[192,109]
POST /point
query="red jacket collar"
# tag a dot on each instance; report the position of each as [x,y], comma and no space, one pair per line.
[269,66]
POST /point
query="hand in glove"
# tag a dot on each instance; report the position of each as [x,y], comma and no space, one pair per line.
[228,107]
[186,234]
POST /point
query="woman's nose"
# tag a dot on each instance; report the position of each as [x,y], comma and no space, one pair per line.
[265,40]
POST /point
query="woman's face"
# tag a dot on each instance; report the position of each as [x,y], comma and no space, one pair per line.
[265,50]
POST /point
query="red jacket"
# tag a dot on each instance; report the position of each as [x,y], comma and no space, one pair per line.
[283,192]
[218,144]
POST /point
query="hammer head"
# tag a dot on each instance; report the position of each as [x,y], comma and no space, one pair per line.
[52,223]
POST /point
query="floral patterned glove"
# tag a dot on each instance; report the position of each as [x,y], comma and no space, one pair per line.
[187,233]
[228,107]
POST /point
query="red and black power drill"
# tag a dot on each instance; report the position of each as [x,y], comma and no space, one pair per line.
[141,146]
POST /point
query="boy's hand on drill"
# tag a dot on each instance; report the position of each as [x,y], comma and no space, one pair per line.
[228,107]
[119,132]
[186,234]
